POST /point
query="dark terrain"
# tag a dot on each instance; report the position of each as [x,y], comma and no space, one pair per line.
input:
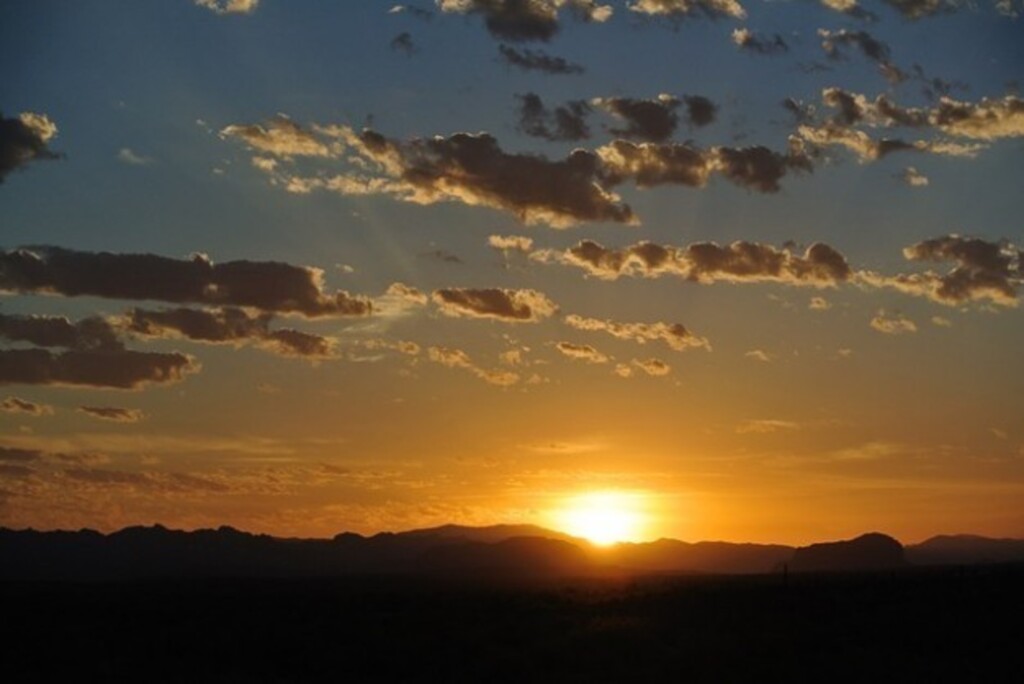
[492,605]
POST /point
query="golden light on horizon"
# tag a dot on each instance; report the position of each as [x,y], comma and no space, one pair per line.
[604,517]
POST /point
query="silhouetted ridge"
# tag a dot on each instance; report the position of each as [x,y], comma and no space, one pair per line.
[867,552]
[966,549]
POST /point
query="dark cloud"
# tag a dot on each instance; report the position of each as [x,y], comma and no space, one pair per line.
[700,111]
[525,20]
[14,455]
[647,164]
[113,414]
[442,255]
[567,122]
[707,262]
[834,43]
[652,120]
[404,44]
[16,405]
[227,326]
[266,285]
[917,9]
[516,306]
[24,139]
[536,60]
[56,331]
[982,270]
[746,39]
[121,369]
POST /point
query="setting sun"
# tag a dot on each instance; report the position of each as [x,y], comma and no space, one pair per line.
[604,517]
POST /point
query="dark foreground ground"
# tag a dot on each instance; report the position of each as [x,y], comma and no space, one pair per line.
[916,626]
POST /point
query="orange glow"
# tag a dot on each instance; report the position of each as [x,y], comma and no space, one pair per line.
[604,518]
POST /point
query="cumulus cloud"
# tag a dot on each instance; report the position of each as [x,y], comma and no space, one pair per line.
[266,285]
[893,324]
[112,414]
[457,358]
[92,333]
[686,8]
[566,122]
[849,7]
[538,60]
[746,39]
[24,139]
[675,335]
[407,293]
[981,270]
[526,20]
[227,326]
[229,6]
[514,306]
[707,262]
[17,405]
[655,367]
[120,369]
[581,352]
[510,243]
[914,178]
[654,120]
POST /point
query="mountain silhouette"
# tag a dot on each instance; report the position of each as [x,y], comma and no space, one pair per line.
[868,552]
[500,550]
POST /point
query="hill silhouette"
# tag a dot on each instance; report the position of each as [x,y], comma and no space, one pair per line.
[500,550]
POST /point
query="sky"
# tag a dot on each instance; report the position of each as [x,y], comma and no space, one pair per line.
[750,269]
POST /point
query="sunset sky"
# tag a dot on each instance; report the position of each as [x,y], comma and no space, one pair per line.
[305,266]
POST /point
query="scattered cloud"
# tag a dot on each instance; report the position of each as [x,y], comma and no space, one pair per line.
[265,285]
[121,369]
[113,414]
[24,139]
[835,43]
[404,44]
[581,352]
[132,158]
[758,355]
[747,40]
[567,122]
[514,306]
[280,137]
[538,60]
[93,333]
[893,324]
[653,120]
[526,20]
[31,408]
[687,8]
[707,262]
[407,293]
[655,367]
[229,6]
[766,426]
[675,335]
[511,243]
[819,304]
[914,178]
[456,358]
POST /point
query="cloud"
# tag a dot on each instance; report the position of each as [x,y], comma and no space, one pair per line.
[893,324]
[24,139]
[849,7]
[567,122]
[747,40]
[648,164]
[819,304]
[700,111]
[280,137]
[514,306]
[982,270]
[708,262]
[655,367]
[266,285]
[510,243]
[766,426]
[456,358]
[227,326]
[526,20]
[917,9]
[112,414]
[654,120]
[413,11]
[407,293]
[686,8]
[537,60]
[92,333]
[132,158]
[403,43]
[16,405]
[835,42]
[914,178]
[581,352]
[229,6]
[674,335]
[758,355]
[122,369]
[942,322]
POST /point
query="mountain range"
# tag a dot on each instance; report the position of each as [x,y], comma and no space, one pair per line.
[497,551]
